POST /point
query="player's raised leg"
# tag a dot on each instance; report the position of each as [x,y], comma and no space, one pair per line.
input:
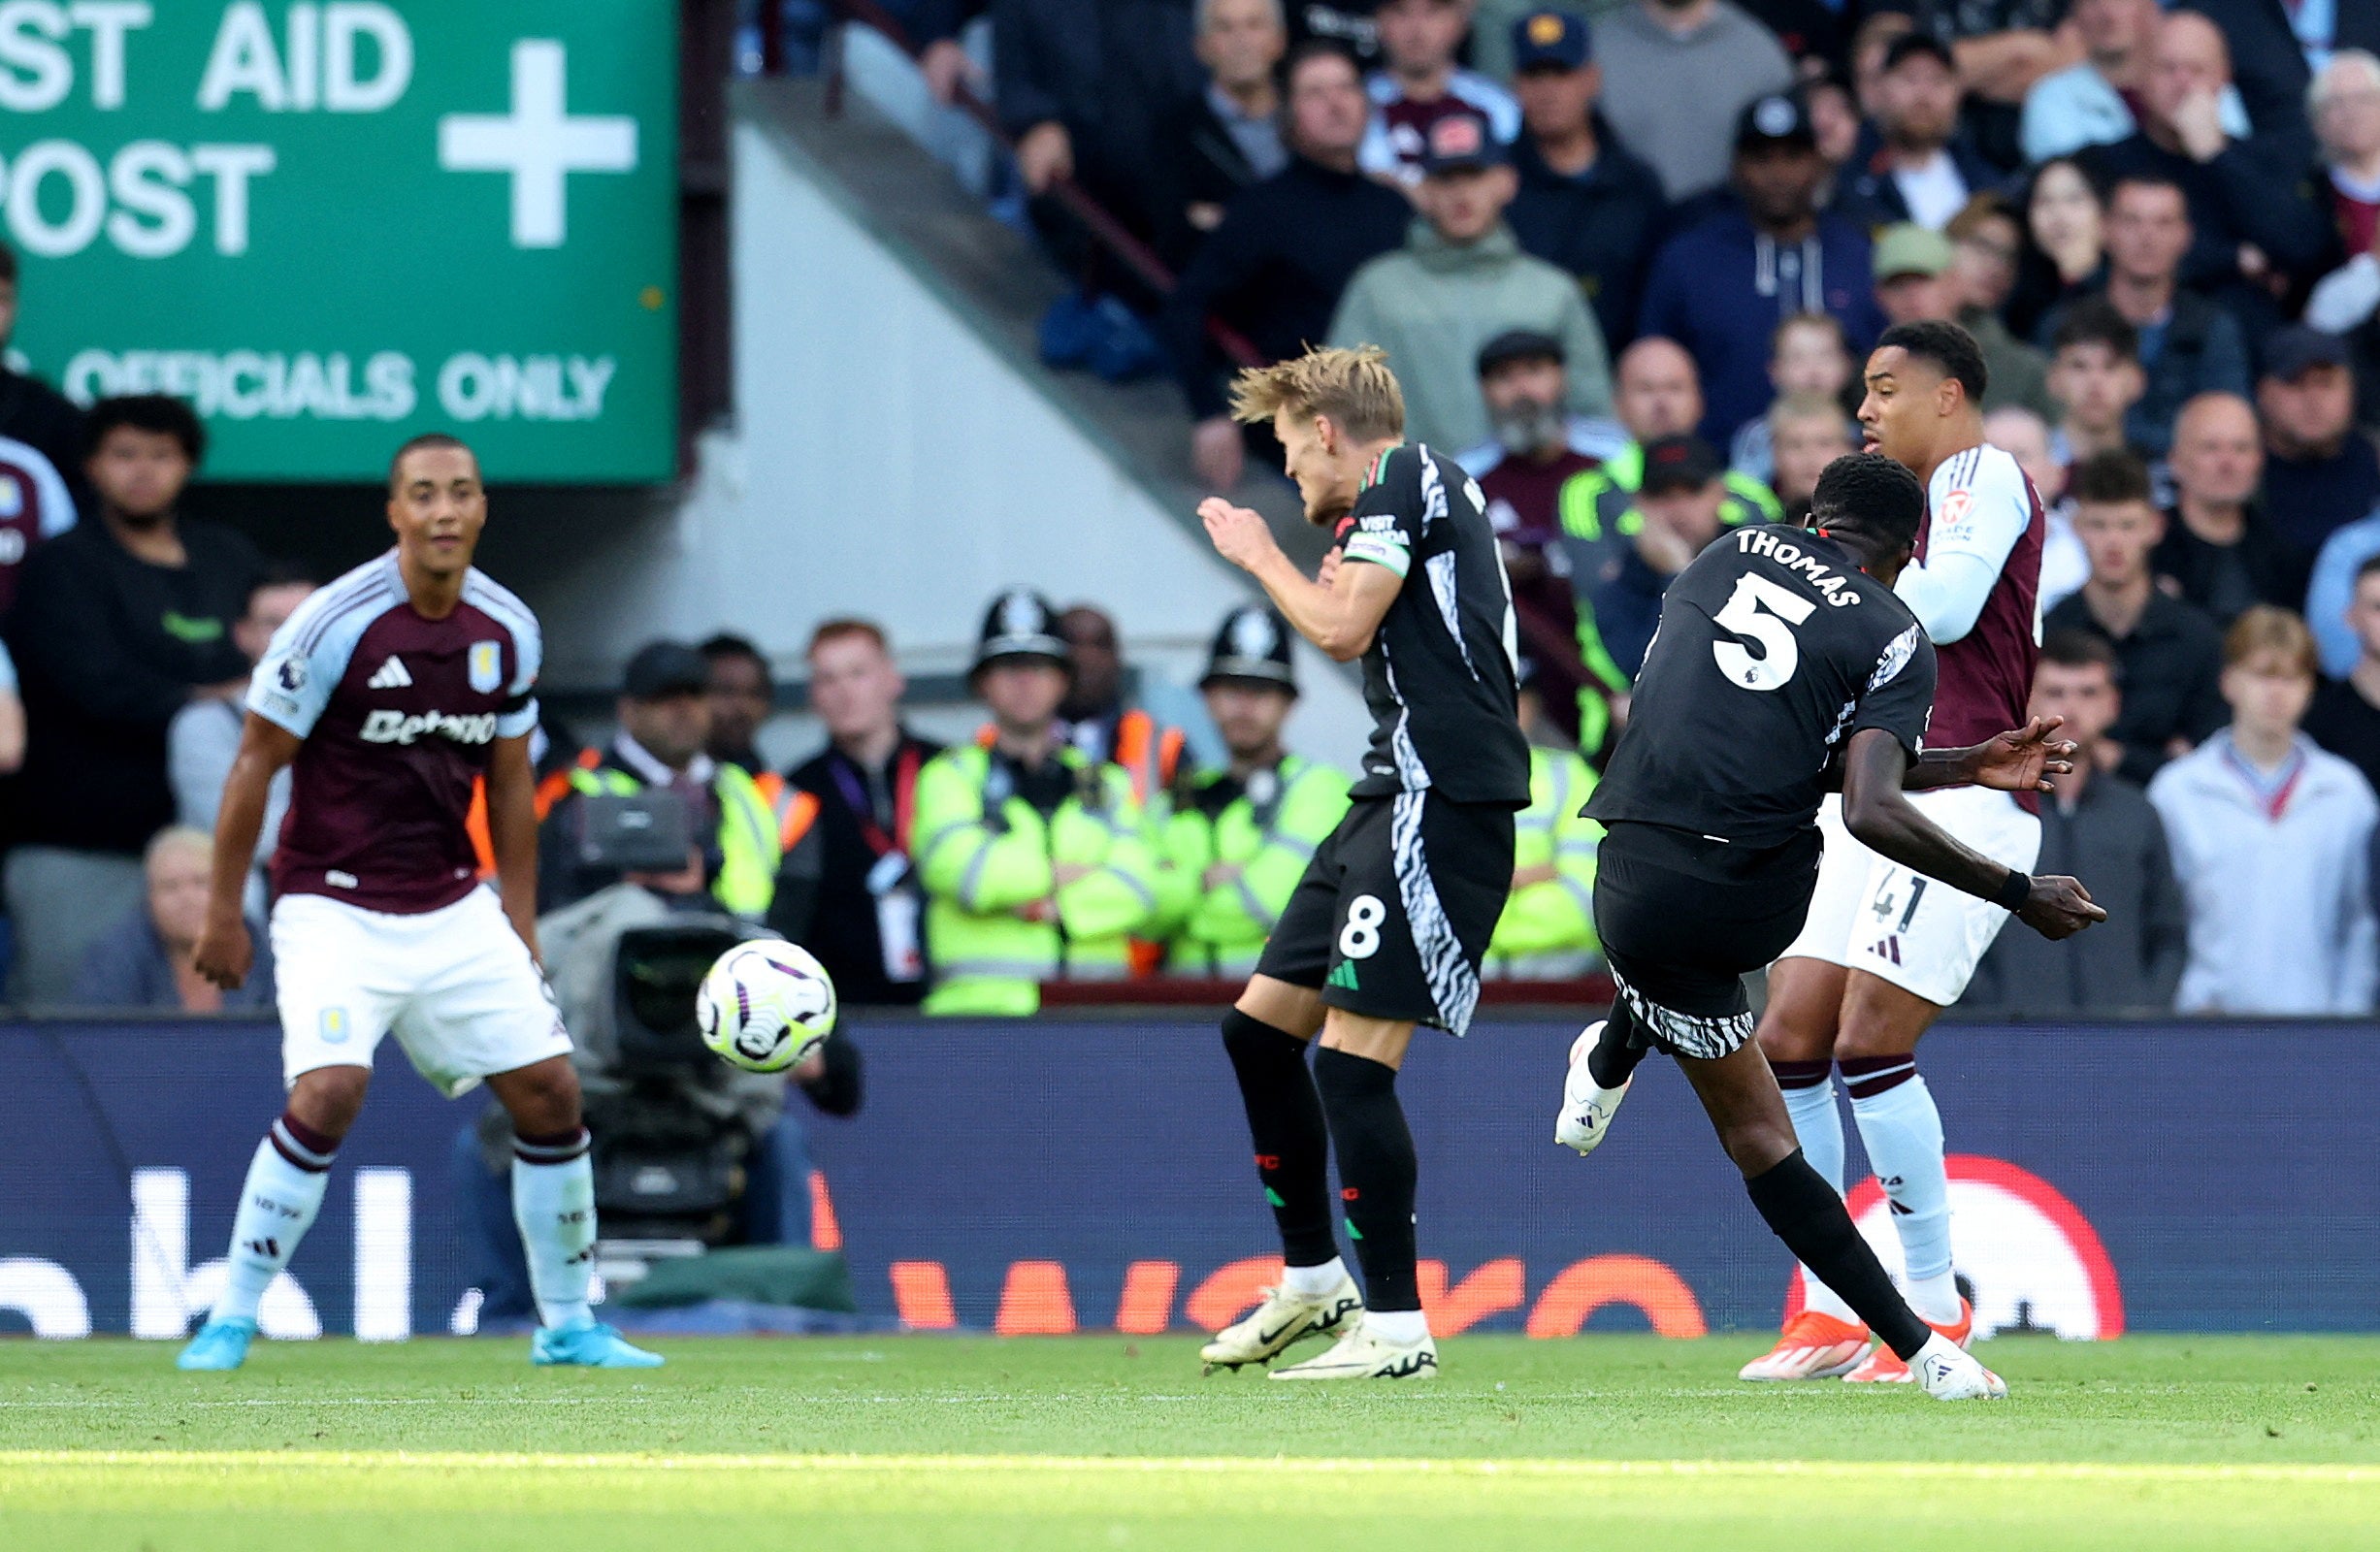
[1266,1036]
[553,1201]
[277,1203]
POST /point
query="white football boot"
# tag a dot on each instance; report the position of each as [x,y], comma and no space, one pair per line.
[1365,1354]
[1284,1317]
[1587,1107]
[1950,1373]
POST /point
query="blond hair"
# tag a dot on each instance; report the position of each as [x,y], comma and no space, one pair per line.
[1351,387]
[2265,629]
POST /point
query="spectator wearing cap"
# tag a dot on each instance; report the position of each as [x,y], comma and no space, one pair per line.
[2090,103]
[1548,930]
[1681,509]
[118,624]
[1806,357]
[1721,287]
[1240,833]
[1538,448]
[1986,239]
[2271,842]
[1033,858]
[2188,345]
[2320,471]
[2169,651]
[870,928]
[1920,170]
[2218,551]
[755,858]
[1587,205]
[1418,85]
[2095,376]
[1276,267]
[1459,282]
[2255,222]
[1676,73]
[1915,283]
[2100,827]
[1227,137]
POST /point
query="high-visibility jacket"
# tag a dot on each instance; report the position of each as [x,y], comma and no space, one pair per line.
[1548,930]
[551,789]
[979,861]
[1600,520]
[754,833]
[1149,753]
[1270,835]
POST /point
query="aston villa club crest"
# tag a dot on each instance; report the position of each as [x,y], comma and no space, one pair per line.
[487,666]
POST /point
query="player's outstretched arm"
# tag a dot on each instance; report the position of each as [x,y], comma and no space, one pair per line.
[1877,814]
[512,833]
[224,954]
[1338,614]
[2022,760]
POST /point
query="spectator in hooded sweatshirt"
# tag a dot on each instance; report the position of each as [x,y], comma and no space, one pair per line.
[1419,84]
[1276,267]
[1587,205]
[1676,73]
[1721,287]
[1459,282]
[2271,841]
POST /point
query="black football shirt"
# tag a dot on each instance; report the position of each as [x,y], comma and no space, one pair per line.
[1440,676]
[1774,648]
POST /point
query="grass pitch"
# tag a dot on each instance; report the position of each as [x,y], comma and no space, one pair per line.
[894,1442]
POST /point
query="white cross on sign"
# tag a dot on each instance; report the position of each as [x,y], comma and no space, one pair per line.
[540,144]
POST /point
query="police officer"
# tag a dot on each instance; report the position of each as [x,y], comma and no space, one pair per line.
[1548,930]
[1240,835]
[1032,856]
[755,856]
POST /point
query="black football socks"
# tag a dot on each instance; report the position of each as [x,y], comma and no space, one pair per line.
[1284,1120]
[1614,1057]
[1376,1174]
[1810,1219]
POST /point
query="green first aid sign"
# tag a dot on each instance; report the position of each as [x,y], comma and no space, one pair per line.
[332,225]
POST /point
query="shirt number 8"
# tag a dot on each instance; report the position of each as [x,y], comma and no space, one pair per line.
[1359,939]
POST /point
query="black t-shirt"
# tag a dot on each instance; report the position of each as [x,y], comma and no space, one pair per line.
[1440,675]
[862,818]
[2341,721]
[1773,649]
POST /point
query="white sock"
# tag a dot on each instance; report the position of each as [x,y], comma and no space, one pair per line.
[1904,1136]
[1313,1282]
[1404,1327]
[553,1201]
[278,1204]
[1817,1122]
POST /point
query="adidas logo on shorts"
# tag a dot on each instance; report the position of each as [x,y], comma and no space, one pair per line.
[390,676]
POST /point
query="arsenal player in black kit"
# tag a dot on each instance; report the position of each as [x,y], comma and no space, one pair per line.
[1386,928]
[1786,665]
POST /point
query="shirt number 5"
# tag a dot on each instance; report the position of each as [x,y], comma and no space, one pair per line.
[1779,652]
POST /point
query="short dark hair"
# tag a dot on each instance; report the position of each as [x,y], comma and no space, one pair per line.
[1870,494]
[2369,568]
[728,645]
[283,574]
[427,440]
[2076,648]
[1313,48]
[1948,346]
[159,415]
[2146,177]
[2093,321]
[2110,477]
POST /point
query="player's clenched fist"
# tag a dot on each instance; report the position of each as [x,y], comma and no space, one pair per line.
[1241,537]
[2059,907]
[224,954]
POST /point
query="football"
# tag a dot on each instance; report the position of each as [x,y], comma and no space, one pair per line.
[764,1005]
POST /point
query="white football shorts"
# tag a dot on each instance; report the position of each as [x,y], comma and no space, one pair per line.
[456,987]
[1918,934]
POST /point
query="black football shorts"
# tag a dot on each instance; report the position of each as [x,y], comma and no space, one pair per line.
[1394,911]
[1683,917]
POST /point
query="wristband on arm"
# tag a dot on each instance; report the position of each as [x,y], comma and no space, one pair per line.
[2014,892]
